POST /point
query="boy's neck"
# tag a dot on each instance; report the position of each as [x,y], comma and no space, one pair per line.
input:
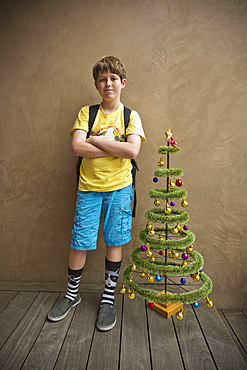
[110,107]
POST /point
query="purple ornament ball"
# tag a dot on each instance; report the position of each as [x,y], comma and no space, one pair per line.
[143,248]
[172,204]
[201,270]
[185,256]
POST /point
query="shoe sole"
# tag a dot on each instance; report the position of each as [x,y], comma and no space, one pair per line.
[51,318]
[106,328]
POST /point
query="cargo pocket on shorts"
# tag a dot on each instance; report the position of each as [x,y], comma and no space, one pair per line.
[126,222]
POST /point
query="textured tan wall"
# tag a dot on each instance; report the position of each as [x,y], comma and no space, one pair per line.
[186,70]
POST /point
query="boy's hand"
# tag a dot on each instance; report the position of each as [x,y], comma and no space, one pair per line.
[93,139]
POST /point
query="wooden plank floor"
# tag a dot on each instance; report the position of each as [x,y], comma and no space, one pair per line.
[206,338]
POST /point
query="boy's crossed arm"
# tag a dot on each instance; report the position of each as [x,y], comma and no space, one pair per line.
[81,148]
[99,147]
[128,149]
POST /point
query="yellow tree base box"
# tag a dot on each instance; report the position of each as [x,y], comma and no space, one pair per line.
[167,310]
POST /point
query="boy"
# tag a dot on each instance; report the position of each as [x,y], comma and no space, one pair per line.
[104,187]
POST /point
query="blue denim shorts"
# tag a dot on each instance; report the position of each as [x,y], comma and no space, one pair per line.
[90,205]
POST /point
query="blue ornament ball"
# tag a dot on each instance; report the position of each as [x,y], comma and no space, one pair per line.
[182,280]
[195,304]
[158,278]
[155,179]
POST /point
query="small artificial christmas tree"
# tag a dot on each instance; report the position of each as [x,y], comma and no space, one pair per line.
[167,250]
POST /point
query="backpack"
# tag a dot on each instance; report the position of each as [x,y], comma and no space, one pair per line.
[93,110]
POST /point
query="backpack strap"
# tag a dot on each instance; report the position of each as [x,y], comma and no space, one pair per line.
[135,168]
[127,112]
[93,110]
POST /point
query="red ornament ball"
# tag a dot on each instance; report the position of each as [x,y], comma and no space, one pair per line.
[185,227]
[179,182]
[151,305]
[161,252]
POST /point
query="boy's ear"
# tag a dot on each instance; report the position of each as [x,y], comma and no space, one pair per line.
[124,81]
[95,84]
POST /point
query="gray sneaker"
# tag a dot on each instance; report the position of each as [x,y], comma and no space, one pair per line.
[106,319]
[61,309]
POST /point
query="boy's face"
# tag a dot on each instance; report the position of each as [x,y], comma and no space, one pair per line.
[109,86]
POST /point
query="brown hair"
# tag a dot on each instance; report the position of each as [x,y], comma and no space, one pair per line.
[109,63]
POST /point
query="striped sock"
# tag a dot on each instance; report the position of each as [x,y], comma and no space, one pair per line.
[74,277]
[112,270]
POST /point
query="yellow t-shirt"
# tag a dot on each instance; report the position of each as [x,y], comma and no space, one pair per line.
[109,173]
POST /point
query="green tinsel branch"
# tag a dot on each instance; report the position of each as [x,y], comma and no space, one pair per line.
[165,298]
[170,244]
[162,193]
[172,267]
[159,215]
[168,150]
[175,172]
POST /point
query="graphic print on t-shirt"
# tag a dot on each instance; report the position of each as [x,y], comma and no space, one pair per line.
[110,133]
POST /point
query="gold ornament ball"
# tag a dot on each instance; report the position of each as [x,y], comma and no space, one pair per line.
[151,232]
[161,238]
[171,184]
[149,253]
[142,274]
[149,226]
[184,263]
[197,277]
[131,295]
[175,255]
[189,249]
[184,203]
[161,162]
[152,259]
[157,202]
[174,231]
[209,303]
[150,278]
[170,254]
[168,210]
[180,315]
[178,227]
[133,267]
[123,289]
